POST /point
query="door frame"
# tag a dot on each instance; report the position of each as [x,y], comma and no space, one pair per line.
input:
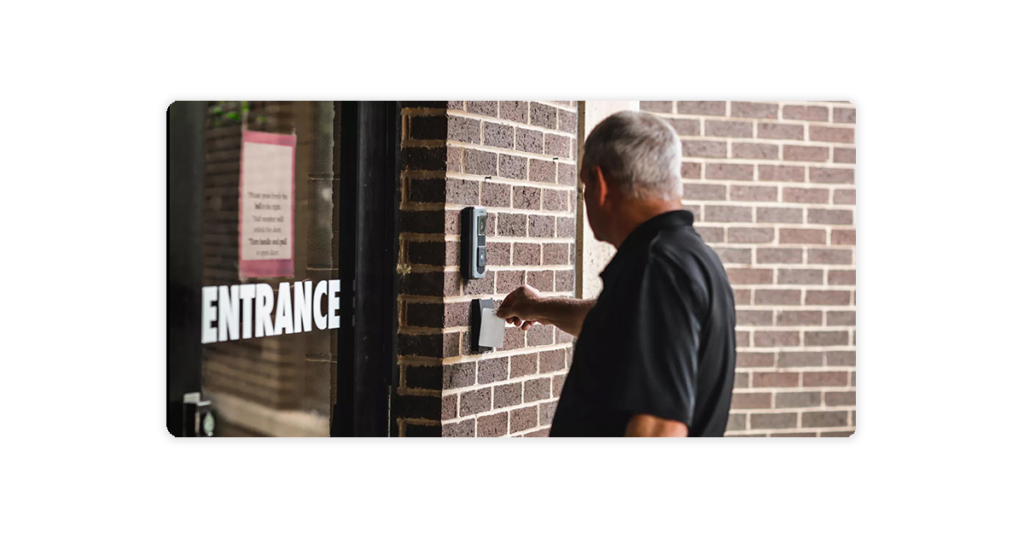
[367,163]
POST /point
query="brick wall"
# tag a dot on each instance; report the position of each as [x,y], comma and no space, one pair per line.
[518,159]
[772,186]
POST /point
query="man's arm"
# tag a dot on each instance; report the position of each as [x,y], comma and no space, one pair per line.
[525,306]
[652,426]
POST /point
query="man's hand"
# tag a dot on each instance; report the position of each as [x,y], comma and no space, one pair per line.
[520,307]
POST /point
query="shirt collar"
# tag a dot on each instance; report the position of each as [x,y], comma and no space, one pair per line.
[645,232]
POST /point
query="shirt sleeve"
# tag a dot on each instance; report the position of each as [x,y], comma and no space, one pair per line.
[660,341]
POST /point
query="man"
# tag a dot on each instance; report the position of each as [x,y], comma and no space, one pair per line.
[656,350]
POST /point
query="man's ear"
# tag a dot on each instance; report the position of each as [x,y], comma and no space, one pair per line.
[600,185]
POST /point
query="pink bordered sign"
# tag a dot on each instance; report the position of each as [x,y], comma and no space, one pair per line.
[266,205]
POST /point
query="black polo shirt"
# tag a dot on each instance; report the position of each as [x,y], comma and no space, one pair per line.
[660,340]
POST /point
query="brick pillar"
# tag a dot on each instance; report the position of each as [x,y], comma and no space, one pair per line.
[517,158]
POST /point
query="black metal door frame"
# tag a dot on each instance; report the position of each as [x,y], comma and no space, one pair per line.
[368,160]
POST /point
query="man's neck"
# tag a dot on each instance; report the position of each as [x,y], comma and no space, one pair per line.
[636,212]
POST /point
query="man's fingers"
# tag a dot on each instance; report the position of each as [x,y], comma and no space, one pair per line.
[528,324]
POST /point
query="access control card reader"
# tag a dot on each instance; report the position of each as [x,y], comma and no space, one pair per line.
[474,242]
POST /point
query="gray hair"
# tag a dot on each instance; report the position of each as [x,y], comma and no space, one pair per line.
[638,152]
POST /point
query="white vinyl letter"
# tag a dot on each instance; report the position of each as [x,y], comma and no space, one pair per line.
[248,293]
[320,318]
[333,303]
[284,310]
[264,307]
[209,333]
[303,304]
[227,322]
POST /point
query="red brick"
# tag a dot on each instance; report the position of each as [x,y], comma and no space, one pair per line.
[779,297]
[831,175]
[701,108]
[770,172]
[837,318]
[825,379]
[789,215]
[484,108]
[499,135]
[751,400]
[656,106]
[464,129]
[494,425]
[826,338]
[557,253]
[556,200]
[551,361]
[542,171]
[742,297]
[801,359]
[776,338]
[751,235]
[730,171]
[514,110]
[844,197]
[755,151]
[524,197]
[802,236]
[820,133]
[797,399]
[823,419]
[684,127]
[543,115]
[780,131]
[509,280]
[744,109]
[842,277]
[731,129]
[805,153]
[844,115]
[844,155]
[828,297]
[690,170]
[829,216]
[495,194]
[841,358]
[512,166]
[511,225]
[521,365]
[844,237]
[529,140]
[801,276]
[719,213]
[806,113]
[557,145]
[704,148]
[753,193]
[751,359]
[703,191]
[542,280]
[765,421]
[840,398]
[830,256]
[780,255]
[523,419]
[776,379]
[526,254]
[799,317]
[805,196]
[542,226]
[507,395]
[754,318]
